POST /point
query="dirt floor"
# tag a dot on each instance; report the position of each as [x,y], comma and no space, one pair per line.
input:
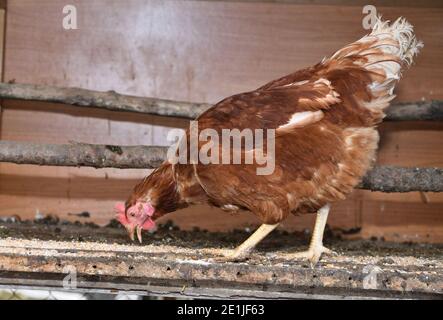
[171,258]
[50,228]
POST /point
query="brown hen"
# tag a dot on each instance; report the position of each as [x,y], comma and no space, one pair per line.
[324,119]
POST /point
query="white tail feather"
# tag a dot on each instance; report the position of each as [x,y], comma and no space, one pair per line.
[385,52]
[396,40]
[403,32]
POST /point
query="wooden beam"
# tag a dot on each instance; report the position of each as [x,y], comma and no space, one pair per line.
[377,271]
[418,111]
[104,100]
[82,154]
[117,102]
[386,179]
[394,179]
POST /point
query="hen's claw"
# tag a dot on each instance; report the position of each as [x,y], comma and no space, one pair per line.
[313,255]
[231,256]
[316,248]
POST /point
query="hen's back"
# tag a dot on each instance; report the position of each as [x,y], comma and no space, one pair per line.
[324,117]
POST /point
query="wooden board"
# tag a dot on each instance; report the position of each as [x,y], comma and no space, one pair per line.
[198,51]
[183,265]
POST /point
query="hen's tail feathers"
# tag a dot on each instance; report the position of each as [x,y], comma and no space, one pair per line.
[397,40]
[401,31]
[385,53]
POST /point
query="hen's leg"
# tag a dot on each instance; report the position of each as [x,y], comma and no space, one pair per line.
[316,248]
[243,250]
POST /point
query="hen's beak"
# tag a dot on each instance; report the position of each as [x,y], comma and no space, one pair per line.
[139,233]
[130,230]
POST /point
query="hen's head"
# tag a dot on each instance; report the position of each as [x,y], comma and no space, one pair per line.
[153,197]
[136,217]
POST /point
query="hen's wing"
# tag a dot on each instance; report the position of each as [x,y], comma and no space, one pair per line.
[270,108]
[308,147]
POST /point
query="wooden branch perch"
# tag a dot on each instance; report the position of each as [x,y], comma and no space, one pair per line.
[81,154]
[418,111]
[386,179]
[103,100]
[117,102]
[394,179]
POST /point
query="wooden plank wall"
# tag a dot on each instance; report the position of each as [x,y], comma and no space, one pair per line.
[199,51]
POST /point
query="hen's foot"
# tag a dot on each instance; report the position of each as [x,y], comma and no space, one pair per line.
[229,255]
[316,248]
[241,253]
[313,254]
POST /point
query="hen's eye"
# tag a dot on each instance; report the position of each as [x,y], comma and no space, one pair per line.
[132,214]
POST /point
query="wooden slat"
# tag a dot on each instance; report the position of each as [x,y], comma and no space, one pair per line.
[403,221]
[196,51]
[184,267]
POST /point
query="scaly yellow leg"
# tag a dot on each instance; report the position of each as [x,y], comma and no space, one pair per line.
[316,248]
[243,250]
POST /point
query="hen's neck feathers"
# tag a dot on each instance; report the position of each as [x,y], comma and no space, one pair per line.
[160,189]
